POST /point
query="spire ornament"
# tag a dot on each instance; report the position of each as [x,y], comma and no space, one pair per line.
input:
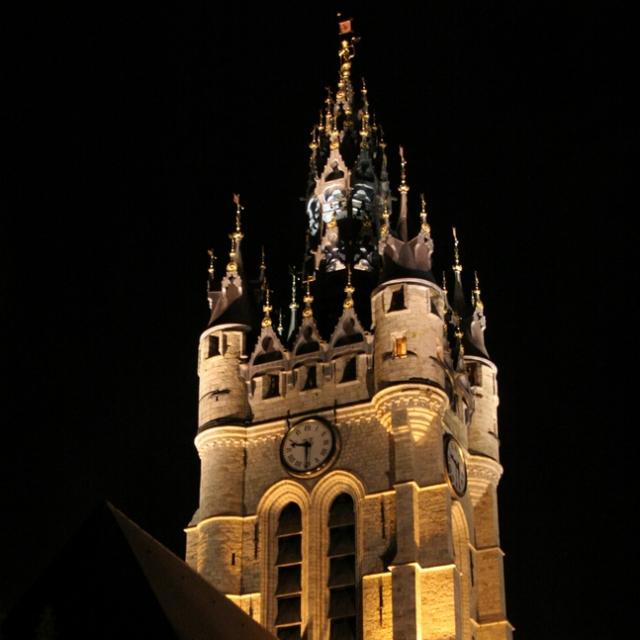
[307,312]
[235,238]
[263,269]
[313,145]
[444,284]
[349,290]
[232,266]
[384,229]
[212,267]
[280,328]
[404,191]
[293,305]
[239,208]
[457,267]
[344,95]
[477,302]
[404,187]
[267,308]
[365,130]
[424,225]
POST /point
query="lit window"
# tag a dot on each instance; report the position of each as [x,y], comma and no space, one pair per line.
[400,347]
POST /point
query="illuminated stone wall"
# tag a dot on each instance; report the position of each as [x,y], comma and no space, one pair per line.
[418,542]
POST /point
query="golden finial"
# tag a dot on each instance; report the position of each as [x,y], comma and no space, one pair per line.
[458,332]
[328,111]
[349,289]
[365,131]
[280,328]
[307,312]
[313,145]
[404,187]
[263,265]
[426,229]
[236,236]
[239,208]
[444,284]
[457,267]
[320,122]
[266,307]
[232,266]
[384,229]
[477,302]
[344,93]
[334,136]
[212,266]
[294,304]
[460,348]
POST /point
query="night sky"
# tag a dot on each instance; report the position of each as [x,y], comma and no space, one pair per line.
[128,134]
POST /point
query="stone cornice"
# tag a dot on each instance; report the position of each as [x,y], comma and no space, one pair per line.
[412,397]
[482,473]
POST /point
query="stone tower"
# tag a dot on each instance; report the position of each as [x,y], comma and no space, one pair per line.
[349,466]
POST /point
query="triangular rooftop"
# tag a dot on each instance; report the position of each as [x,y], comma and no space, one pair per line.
[114,580]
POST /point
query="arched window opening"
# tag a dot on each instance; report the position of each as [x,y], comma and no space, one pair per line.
[343,609]
[289,568]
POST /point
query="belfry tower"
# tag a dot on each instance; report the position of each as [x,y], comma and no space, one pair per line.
[349,464]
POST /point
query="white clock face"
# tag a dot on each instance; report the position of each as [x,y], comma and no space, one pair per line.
[308,446]
[456,468]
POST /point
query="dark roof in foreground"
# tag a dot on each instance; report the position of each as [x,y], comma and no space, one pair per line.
[114,580]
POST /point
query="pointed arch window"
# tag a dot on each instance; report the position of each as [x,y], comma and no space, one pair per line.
[289,573]
[343,608]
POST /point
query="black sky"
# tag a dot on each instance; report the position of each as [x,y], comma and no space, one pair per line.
[129,132]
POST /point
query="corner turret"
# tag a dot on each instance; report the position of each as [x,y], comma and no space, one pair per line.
[223,394]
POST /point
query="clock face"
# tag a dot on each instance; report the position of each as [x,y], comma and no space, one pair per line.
[456,468]
[308,446]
